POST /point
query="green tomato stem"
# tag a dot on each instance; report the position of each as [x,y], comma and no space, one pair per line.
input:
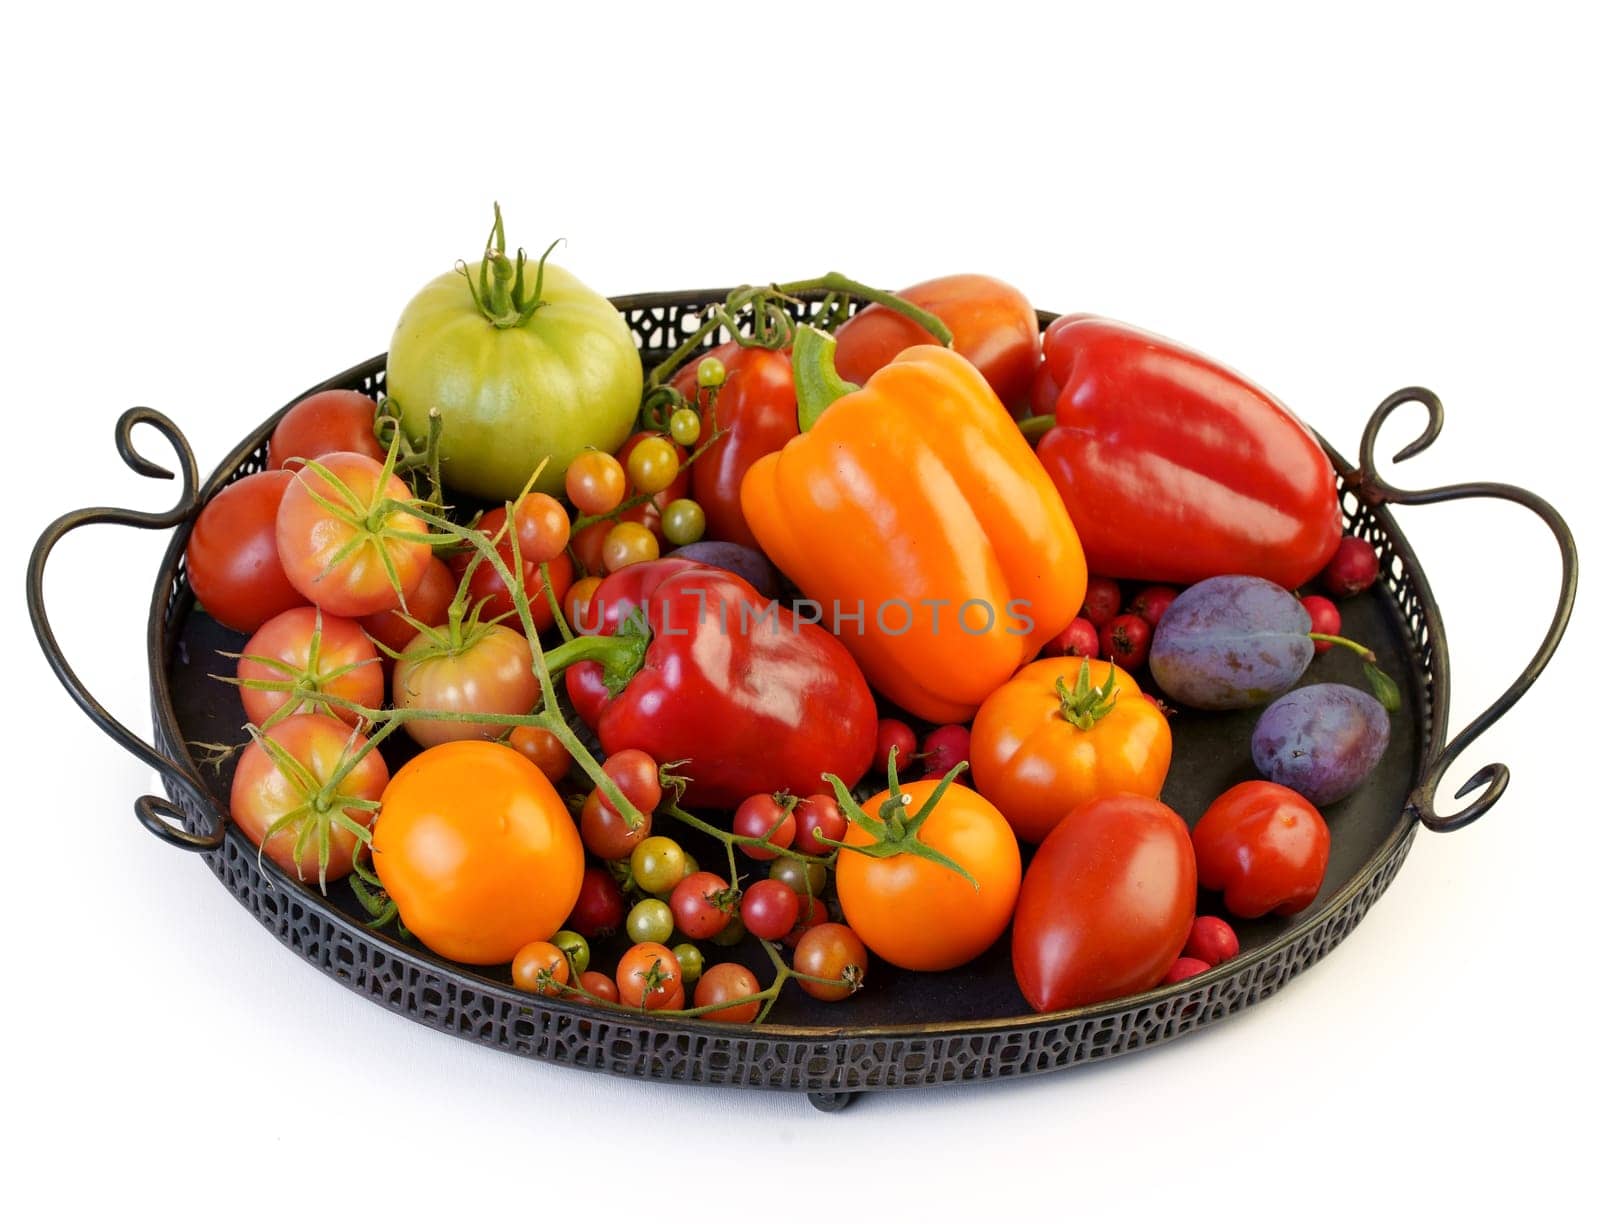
[837,282]
[816,382]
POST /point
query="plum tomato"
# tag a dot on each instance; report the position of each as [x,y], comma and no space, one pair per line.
[477,850]
[650,977]
[1125,640]
[355,558]
[489,672]
[1101,601]
[232,555]
[1264,848]
[1106,905]
[702,904]
[542,748]
[284,811]
[598,911]
[720,985]
[894,737]
[831,950]
[540,968]
[320,655]
[769,909]
[427,604]
[762,816]
[322,424]
[815,817]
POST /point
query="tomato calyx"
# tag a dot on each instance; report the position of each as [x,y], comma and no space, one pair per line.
[1083,705]
[892,832]
[322,805]
[370,520]
[502,295]
[308,689]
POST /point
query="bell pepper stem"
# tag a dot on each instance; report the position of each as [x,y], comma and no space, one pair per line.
[816,382]
[1035,427]
[620,654]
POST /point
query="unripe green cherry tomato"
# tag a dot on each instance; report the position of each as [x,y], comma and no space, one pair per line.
[576,948]
[684,425]
[730,934]
[797,873]
[650,922]
[628,544]
[711,372]
[652,465]
[658,864]
[691,960]
[683,521]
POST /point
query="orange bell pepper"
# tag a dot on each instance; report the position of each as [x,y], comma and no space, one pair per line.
[914,515]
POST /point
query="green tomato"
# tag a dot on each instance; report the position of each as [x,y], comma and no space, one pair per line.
[658,864]
[515,383]
[684,425]
[691,961]
[797,873]
[650,922]
[683,521]
[576,948]
[730,934]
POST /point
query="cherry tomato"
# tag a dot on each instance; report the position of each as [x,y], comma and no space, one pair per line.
[582,615]
[813,912]
[543,749]
[684,426]
[831,950]
[805,878]
[691,961]
[637,776]
[818,816]
[599,985]
[1211,940]
[1325,618]
[683,521]
[1264,847]
[919,914]
[598,911]
[1107,903]
[285,818]
[595,483]
[650,921]
[893,736]
[588,547]
[574,947]
[486,585]
[605,832]
[763,816]
[478,851]
[540,968]
[541,525]
[702,903]
[658,865]
[490,673]
[628,544]
[349,561]
[428,604]
[232,556]
[723,983]
[769,909]
[322,424]
[323,654]
[652,464]
[991,324]
[649,976]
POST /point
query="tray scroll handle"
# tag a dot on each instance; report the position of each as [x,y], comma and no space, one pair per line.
[1492,779]
[156,813]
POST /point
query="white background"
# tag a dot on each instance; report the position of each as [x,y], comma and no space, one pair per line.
[207,213]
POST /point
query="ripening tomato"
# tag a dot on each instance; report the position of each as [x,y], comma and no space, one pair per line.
[232,555]
[354,559]
[832,951]
[722,984]
[477,850]
[1061,732]
[428,604]
[486,586]
[649,976]
[323,424]
[308,649]
[489,672]
[917,913]
[306,832]
[991,324]
[1263,847]
[1107,904]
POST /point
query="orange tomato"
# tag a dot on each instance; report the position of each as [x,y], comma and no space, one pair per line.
[917,913]
[477,850]
[1041,745]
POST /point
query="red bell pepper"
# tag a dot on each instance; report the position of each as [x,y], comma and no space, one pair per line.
[1174,468]
[751,698]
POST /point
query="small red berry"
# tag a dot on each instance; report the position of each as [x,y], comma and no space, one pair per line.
[1101,601]
[1152,603]
[1183,968]
[944,748]
[1080,638]
[1353,569]
[1125,640]
[892,733]
[1211,941]
[1324,618]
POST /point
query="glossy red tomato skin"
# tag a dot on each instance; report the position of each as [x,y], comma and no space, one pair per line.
[991,324]
[487,587]
[755,409]
[1264,847]
[232,555]
[286,639]
[322,424]
[1106,904]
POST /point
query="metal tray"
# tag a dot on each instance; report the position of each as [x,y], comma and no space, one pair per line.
[906,1030]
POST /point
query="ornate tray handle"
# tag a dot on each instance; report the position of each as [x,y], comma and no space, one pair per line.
[159,815]
[1492,779]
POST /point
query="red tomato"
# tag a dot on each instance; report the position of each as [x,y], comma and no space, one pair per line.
[232,555]
[543,749]
[307,648]
[490,673]
[599,908]
[648,976]
[1106,904]
[1263,847]
[323,424]
[429,604]
[721,984]
[698,905]
[486,587]
[292,822]
[755,410]
[831,950]
[341,559]
[599,985]
[991,324]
